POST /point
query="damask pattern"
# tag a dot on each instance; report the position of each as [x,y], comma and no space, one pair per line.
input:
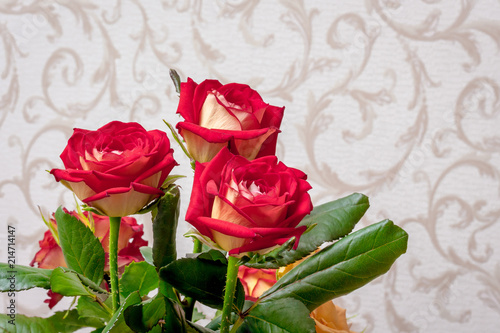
[395,99]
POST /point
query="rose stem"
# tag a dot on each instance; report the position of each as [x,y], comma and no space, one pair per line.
[197,246]
[231,280]
[189,301]
[114,231]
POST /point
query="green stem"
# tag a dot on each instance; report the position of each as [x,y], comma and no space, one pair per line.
[231,280]
[114,231]
[197,246]
[189,301]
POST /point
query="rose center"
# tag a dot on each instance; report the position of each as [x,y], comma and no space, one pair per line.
[100,155]
[251,191]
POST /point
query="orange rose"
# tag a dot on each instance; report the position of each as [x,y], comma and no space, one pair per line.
[330,318]
[256,281]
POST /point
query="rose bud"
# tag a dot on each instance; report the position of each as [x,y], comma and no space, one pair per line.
[231,115]
[247,206]
[256,281]
[117,169]
[130,241]
[330,318]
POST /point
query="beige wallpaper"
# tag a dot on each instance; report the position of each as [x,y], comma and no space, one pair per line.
[395,99]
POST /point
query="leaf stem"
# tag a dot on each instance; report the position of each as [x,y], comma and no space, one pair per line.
[114,231]
[231,280]
[104,306]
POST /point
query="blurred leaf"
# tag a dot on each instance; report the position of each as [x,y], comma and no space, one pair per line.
[82,250]
[165,227]
[23,277]
[139,276]
[176,79]
[179,142]
[211,255]
[89,307]
[117,323]
[202,278]
[144,316]
[175,320]
[171,179]
[332,220]
[67,282]
[55,323]
[147,254]
[197,315]
[195,328]
[281,316]
[343,266]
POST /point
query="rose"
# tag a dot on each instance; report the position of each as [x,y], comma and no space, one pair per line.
[256,281]
[231,115]
[330,318]
[130,241]
[244,205]
[117,169]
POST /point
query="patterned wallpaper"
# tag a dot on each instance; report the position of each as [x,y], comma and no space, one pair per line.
[395,99]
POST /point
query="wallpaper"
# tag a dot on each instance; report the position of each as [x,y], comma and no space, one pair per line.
[395,99]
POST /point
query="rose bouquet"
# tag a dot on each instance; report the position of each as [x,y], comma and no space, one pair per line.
[251,214]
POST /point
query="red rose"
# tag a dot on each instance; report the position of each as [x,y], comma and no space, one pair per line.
[51,256]
[256,281]
[117,169]
[247,205]
[232,115]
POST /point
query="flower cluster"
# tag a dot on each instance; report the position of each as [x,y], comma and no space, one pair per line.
[249,207]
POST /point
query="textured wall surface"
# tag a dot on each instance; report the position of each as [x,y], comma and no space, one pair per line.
[395,99]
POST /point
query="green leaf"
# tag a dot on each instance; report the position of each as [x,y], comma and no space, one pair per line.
[82,250]
[144,316]
[281,316]
[147,253]
[343,266]
[195,328]
[117,323]
[211,255]
[165,227]
[175,320]
[55,323]
[202,278]
[69,283]
[179,141]
[171,179]
[197,315]
[17,277]
[176,79]
[139,276]
[89,307]
[331,221]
